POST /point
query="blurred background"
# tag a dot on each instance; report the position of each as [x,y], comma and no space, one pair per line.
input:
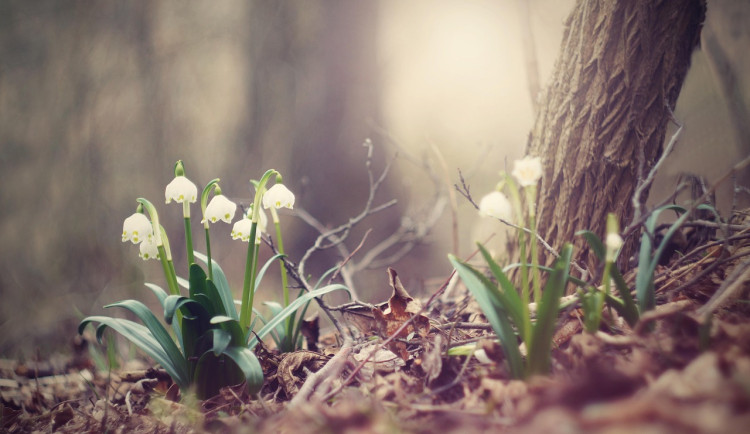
[99,99]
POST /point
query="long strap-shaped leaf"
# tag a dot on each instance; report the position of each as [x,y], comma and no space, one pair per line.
[289,310]
[222,287]
[142,337]
[162,296]
[644,280]
[509,298]
[486,294]
[544,329]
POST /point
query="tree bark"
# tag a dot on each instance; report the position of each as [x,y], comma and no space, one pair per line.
[615,84]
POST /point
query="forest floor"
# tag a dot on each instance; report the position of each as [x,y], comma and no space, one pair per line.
[675,372]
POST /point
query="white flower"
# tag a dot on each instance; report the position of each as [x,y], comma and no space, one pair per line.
[149,250]
[528,170]
[180,190]
[220,208]
[613,242]
[278,196]
[241,229]
[495,205]
[136,228]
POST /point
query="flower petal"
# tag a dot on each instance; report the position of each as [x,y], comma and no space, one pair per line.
[277,197]
[149,250]
[527,170]
[220,208]
[241,229]
[136,228]
[496,205]
[180,190]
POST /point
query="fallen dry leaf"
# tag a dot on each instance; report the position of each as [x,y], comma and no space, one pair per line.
[401,308]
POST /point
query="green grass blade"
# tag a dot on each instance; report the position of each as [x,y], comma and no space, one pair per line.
[541,341]
[481,289]
[291,309]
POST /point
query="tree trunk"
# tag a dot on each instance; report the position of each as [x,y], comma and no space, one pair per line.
[615,84]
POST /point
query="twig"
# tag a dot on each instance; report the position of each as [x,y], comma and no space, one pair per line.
[331,370]
[733,283]
[349,257]
[464,191]
[294,273]
[392,337]
[340,233]
[645,184]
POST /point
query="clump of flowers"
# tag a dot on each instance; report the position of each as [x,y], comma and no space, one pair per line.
[212,343]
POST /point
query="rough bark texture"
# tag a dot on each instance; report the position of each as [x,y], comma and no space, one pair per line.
[620,70]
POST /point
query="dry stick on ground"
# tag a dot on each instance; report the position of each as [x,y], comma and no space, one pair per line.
[332,369]
[732,284]
[393,336]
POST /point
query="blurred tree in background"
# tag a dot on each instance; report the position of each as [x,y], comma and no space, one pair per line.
[99,99]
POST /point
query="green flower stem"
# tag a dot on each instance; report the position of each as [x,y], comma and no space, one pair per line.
[531,202]
[248,288]
[525,296]
[284,277]
[189,242]
[204,202]
[208,254]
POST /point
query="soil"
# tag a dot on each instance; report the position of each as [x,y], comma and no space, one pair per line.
[684,368]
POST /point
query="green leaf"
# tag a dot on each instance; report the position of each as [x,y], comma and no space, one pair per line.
[197,280]
[577,282]
[644,281]
[222,286]
[157,330]
[193,309]
[630,309]
[221,340]
[162,296]
[164,351]
[142,338]
[158,292]
[541,341]
[183,282]
[289,310]
[595,243]
[326,274]
[507,295]
[232,326]
[250,366]
[263,269]
[277,334]
[497,315]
